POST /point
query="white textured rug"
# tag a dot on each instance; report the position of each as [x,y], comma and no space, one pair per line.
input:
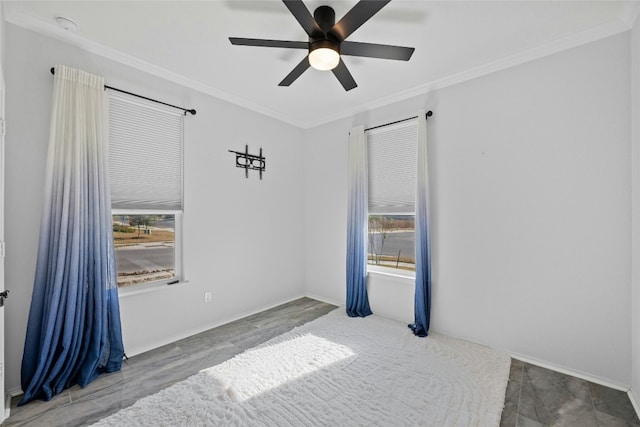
[338,371]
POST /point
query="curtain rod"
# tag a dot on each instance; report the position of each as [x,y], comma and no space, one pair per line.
[428,114]
[186,110]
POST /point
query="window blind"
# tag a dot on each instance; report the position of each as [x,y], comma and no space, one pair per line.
[145,155]
[392,154]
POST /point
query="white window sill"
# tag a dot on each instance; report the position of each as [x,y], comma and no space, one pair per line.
[389,273]
[148,287]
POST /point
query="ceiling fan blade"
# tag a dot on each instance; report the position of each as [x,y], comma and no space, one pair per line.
[358,15]
[344,76]
[296,72]
[269,43]
[372,50]
[303,16]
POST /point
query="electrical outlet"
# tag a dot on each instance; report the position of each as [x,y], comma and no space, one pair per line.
[208,296]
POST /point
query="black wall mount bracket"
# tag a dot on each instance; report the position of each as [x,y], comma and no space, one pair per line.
[250,161]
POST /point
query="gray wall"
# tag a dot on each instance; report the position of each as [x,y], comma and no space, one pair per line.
[531,210]
[530,177]
[242,237]
[635,180]
[2,89]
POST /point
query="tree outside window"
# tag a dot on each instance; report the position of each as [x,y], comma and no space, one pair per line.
[392,241]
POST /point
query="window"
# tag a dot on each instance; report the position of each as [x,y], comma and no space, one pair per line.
[392,185]
[145,173]
[145,248]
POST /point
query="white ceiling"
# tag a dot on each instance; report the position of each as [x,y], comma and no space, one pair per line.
[187,41]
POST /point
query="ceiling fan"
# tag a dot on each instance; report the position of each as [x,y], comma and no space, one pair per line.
[327,40]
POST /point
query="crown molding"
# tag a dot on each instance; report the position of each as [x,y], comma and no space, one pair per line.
[629,13]
[561,44]
[54,32]
[626,19]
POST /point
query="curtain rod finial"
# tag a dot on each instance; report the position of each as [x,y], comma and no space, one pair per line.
[429,113]
[53,70]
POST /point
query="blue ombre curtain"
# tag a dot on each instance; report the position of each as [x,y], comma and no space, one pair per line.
[74,330]
[422,309]
[357,299]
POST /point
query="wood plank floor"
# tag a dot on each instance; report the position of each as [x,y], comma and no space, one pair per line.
[535,396]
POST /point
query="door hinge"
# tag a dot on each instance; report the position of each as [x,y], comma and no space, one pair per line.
[1,249]
[2,127]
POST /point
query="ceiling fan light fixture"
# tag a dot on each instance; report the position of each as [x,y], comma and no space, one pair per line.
[324,55]
[324,59]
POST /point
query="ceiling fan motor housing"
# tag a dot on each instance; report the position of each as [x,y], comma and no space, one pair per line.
[325,17]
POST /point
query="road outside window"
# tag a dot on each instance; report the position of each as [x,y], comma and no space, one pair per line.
[392,241]
[144,247]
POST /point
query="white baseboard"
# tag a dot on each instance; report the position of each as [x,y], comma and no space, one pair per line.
[14,392]
[634,402]
[323,299]
[168,340]
[139,350]
[567,371]
[7,405]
